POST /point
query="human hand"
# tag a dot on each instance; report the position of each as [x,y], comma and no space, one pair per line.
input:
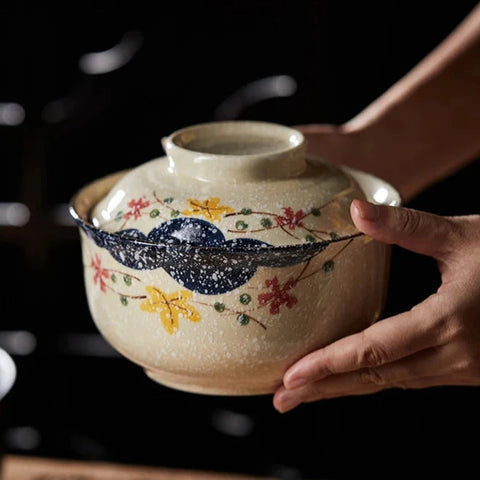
[375,149]
[335,143]
[436,343]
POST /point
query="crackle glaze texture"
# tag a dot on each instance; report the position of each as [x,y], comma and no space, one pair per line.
[219,265]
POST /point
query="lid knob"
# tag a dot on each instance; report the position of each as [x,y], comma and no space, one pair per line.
[238,151]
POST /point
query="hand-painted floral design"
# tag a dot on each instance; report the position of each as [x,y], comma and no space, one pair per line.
[182,304]
[290,218]
[135,208]
[100,274]
[278,294]
[170,306]
[299,224]
[209,208]
[302,224]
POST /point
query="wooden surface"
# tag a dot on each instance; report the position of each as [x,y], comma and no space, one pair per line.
[17,467]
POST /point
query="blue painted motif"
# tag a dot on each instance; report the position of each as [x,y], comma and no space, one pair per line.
[194,252]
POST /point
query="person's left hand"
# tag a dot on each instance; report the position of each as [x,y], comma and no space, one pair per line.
[435,343]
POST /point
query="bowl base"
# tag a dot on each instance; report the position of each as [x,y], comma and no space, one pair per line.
[209,386]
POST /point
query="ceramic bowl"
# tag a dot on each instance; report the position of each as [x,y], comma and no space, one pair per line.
[218,265]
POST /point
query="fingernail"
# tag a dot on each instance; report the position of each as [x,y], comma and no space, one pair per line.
[367,211]
[286,402]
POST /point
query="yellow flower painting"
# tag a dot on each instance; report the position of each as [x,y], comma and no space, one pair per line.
[170,306]
[208,208]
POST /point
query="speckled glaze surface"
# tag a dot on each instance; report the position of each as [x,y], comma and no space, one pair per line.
[218,265]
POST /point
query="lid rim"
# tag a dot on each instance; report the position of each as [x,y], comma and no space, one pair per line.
[89,227]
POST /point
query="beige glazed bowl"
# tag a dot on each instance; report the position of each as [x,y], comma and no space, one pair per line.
[220,264]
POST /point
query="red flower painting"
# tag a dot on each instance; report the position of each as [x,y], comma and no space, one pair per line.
[290,218]
[278,294]
[135,208]
[100,274]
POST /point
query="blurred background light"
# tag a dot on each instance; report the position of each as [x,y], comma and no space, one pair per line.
[18,342]
[85,345]
[11,114]
[254,92]
[23,438]
[14,214]
[232,423]
[98,63]
[59,110]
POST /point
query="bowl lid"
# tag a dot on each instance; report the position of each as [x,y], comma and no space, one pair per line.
[246,183]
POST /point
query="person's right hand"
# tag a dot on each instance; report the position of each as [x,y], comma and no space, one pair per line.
[435,343]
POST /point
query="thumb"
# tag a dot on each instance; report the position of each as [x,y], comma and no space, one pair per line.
[418,231]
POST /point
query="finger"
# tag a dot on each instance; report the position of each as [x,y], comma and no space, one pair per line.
[399,374]
[285,400]
[383,342]
[428,368]
[418,231]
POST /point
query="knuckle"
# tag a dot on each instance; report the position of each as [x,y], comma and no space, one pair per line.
[326,370]
[372,353]
[321,364]
[409,221]
[469,364]
[452,329]
[372,376]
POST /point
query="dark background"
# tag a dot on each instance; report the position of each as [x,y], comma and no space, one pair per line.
[74,397]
